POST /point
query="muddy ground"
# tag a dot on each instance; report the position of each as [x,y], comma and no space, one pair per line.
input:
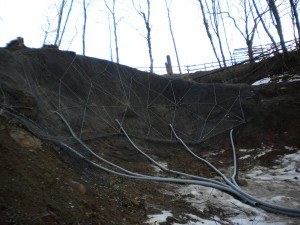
[44,183]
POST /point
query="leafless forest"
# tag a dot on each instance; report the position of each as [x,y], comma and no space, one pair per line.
[92,140]
[250,20]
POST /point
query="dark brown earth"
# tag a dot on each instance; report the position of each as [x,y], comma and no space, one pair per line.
[43,183]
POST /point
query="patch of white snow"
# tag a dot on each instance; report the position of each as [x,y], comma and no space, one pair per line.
[157,169]
[262,81]
[158,218]
[198,221]
[263,151]
[245,157]
[289,148]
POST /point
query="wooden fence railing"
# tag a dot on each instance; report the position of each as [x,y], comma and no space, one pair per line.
[238,56]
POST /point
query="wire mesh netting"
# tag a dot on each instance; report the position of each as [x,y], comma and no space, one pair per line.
[71,100]
[91,94]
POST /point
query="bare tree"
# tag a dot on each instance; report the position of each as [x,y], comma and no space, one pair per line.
[72,39]
[146,18]
[110,44]
[47,30]
[59,20]
[214,21]
[84,26]
[59,31]
[112,11]
[225,34]
[172,35]
[273,9]
[247,16]
[259,14]
[66,21]
[293,4]
[208,31]
[85,5]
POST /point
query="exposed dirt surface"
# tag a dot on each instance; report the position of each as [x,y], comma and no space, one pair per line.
[43,182]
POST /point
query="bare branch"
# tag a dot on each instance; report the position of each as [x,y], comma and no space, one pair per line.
[146,19]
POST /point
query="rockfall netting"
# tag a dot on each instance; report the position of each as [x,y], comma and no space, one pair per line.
[91,94]
[71,100]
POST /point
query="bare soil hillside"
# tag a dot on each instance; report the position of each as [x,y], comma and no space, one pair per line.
[59,112]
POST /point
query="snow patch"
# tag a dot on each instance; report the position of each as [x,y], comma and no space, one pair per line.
[289,148]
[275,185]
[159,218]
[263,152]
[288,78]
[278,79]
[214,198]
[245,157]
[247,150]
[290,170]
[262,81]
[198,221]
[158,170]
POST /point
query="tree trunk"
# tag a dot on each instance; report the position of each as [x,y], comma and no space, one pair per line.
[110,44]
[84,26]
[65,25]
[250,51]
[112,11]
[46,31]
[115,32]
[146,19]
[173,39]
[296,17]
[265,26]
[216,23]
[60,15]
[278,26]
[149,43]
[226,37]
[208,32]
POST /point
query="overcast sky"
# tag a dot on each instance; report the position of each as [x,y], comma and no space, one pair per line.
[28,18]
